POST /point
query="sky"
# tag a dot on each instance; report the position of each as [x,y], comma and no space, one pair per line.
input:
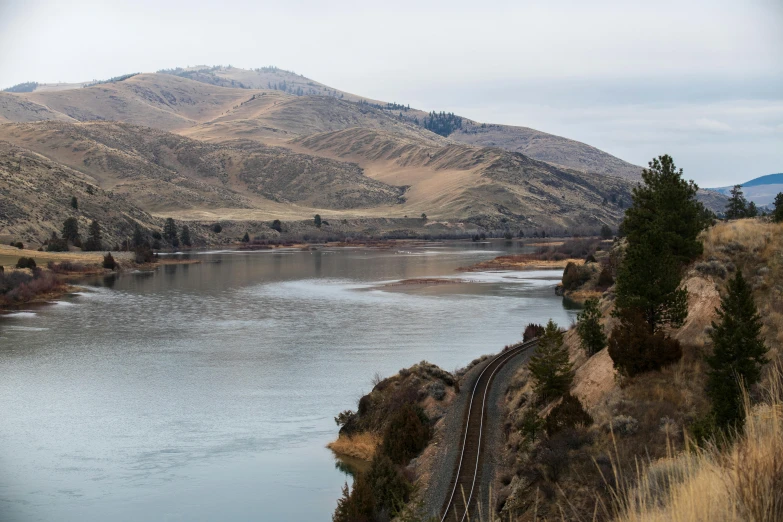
[700,80]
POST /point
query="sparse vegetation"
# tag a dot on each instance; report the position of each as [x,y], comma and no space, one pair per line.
[22,87]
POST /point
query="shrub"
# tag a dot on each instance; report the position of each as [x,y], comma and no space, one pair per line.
[634,349]
[18,245]
[574,276]
[144,254]
[56,244]
[406,435]
[26,262]
[532,331]
[605,279]
[109,262]
[390,490]
[246,238]
[277,225]
[568,414]
[606,232]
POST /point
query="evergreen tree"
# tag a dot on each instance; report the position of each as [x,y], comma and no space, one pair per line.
[738,352]
[390,489]
[185,236]
[71,230]
[665,205]
[777,214]
[170,231]
[589,328]
[661,228]
[246,238]
[648,282]
[606,232]
[737,206]
[317,220]
[277,225]
[94,238]
[74,202]
[138,236]
[551,370]
[752,210]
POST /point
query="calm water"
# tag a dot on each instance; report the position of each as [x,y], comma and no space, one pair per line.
[208,391]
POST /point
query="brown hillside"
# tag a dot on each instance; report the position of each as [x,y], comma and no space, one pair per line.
[164,172]
[36,195]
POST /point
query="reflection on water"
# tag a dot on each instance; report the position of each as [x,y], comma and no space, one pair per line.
[208,391]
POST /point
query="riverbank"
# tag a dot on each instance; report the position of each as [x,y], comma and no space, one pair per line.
[55,273]
[519,262]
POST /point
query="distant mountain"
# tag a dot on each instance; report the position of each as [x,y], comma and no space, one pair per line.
[266,144]
[761,190]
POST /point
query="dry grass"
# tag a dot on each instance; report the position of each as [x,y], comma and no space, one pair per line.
[359,446]
[742,484]
[10,255]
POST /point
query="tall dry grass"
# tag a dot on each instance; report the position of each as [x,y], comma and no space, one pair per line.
[360,445]
[741,483]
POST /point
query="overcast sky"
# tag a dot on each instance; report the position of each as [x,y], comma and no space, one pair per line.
[701,80]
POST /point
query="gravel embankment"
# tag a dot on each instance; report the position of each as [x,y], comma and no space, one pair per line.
[448,436]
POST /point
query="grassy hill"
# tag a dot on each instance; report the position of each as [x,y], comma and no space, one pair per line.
[234,144]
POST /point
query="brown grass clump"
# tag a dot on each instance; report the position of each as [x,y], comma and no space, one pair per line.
[743,483]
[360,445]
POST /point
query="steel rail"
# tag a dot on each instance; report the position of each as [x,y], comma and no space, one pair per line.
[495,364]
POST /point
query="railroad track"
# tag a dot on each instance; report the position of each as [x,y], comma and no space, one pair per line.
[462,501]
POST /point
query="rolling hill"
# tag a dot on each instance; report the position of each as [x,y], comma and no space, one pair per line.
[262,144]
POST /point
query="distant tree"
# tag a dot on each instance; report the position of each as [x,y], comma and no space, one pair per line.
[26,262]
[532,331]
[738,352]
[71,230]
[55,244]
[90,190]
[777,214]
[589,327]
[737,207]
[109,262]
[277,225]
[156,236]
[508,236]
[752,210]
[217,228]
[94,238]
[138,236]
[170,231]
[549,365]
[606,232]
[317,220]
[246,238]
[74,202]
[185,236]
[423,216]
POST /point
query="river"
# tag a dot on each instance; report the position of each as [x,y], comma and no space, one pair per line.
[208,391]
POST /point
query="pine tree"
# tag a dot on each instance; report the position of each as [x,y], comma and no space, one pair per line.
[170,231]
[74,203]
[71,230]
[551,370]
[317,220]
[589,327]
[738,352]
[185,235]
[777,214]
[138,236]
[246,238]
[737,207]
[662,228]
[666,206]
[752,211]
[277,225]
[94,238]
[648,282]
